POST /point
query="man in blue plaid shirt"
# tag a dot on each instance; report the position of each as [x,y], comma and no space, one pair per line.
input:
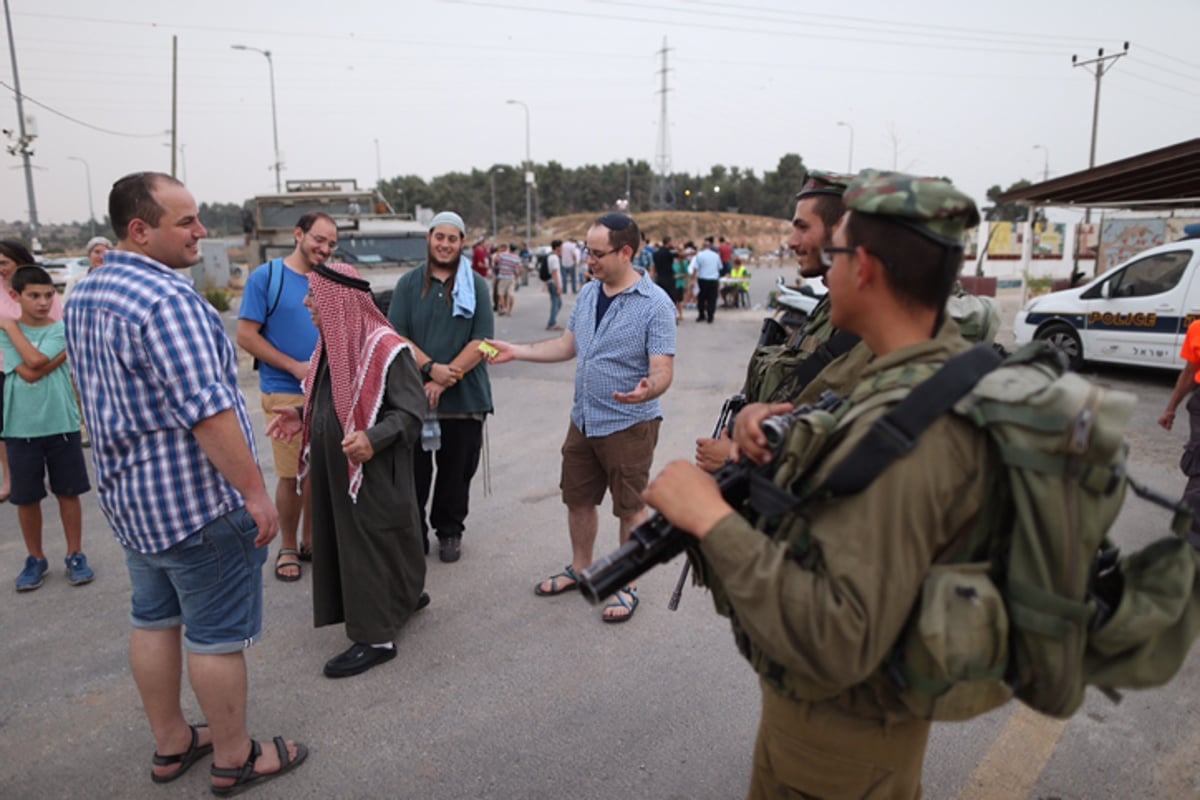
[622,337]
[178,479]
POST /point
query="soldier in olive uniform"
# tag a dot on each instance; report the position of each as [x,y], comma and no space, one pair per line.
[819,601]
[773,374]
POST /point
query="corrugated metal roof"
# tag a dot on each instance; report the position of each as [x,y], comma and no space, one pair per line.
[1165,178]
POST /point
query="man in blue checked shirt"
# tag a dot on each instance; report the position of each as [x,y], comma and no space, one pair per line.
[178,479]
[622,335]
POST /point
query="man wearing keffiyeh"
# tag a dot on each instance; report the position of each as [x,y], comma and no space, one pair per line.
[362,416]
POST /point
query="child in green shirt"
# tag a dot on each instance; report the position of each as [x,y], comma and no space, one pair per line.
[41,426]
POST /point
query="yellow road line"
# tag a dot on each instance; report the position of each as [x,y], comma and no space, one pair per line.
[1015,761]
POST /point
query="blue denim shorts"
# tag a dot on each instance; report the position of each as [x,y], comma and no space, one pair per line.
[211,583]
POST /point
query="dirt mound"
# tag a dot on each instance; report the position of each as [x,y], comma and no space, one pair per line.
[762,234]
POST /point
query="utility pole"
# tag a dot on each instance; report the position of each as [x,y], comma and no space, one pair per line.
[662,195]
[1045,161]
[1102,64]
[174,100]
[87,171]
[378,167]
[529,179]
[24,144]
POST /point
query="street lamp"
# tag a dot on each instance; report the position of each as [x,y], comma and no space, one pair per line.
[1045,161]
[850,162]
[87,170]
[274,120]
[492,175]
[528,175]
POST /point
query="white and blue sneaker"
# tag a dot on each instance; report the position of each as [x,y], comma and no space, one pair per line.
[31,577]
[78,571]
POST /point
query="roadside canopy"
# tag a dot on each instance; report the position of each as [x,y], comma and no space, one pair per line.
[1158,179]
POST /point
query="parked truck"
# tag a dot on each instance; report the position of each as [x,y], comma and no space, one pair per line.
[370,232]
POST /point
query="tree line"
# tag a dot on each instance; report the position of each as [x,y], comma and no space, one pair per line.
[562,190]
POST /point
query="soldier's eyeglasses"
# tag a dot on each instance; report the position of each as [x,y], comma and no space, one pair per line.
[827,254]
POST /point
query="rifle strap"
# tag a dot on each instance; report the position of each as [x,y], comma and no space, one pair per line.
[839,344]
[894,434]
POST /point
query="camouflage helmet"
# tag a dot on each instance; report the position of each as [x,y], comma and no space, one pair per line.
[929,206]
[818,182]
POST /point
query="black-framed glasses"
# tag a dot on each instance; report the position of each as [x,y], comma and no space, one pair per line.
[596,255]
[615,222]
[827,254]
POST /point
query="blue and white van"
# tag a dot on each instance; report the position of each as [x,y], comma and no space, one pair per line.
[1136,313]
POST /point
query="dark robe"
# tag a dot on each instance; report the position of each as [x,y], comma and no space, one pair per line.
[368,560]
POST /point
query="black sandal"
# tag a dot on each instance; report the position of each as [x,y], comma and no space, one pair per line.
[245,776]
[281,576]
[185,759]
[305,554]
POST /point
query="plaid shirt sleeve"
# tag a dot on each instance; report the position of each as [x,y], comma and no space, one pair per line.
[188,368]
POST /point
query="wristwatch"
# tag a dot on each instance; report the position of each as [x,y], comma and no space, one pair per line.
[427,370]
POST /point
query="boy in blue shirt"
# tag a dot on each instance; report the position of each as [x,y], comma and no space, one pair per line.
[41,426]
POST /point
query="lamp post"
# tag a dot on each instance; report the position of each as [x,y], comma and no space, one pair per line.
[87,171]
[492,176]
[850,161]
[1045,161]
[528,175]
[274,119]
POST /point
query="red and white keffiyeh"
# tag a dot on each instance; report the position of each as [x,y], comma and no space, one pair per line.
[360,344]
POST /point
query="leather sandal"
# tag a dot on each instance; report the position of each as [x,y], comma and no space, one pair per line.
[282,576]
[194,753]
[245,776]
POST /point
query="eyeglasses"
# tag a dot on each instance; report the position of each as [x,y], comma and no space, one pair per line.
[827,254]
[596,255]
[615,222]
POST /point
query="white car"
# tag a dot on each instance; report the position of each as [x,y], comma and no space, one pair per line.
[1136,313]
[65,271]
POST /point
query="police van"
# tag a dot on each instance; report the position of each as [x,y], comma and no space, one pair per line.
[1136,313]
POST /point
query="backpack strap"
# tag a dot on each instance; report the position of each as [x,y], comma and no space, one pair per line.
[275,262]
[895,433]
[838,345]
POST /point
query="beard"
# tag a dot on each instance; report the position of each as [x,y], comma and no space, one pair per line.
[450,265]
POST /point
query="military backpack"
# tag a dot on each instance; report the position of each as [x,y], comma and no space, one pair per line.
[1037,603]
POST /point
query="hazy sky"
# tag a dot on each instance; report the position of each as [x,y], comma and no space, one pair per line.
[957,87]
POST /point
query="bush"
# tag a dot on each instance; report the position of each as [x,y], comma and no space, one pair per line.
[218,298]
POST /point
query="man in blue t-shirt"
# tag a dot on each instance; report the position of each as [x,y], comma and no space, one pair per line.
[276,328]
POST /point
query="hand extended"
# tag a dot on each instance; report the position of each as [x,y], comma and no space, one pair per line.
[640,393]
[748,437]
[506,353]
[711,454]
[286,425]
[688,497]
[357,447]
[1167,419]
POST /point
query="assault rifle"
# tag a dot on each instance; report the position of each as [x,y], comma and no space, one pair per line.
[657,541]
[729,410]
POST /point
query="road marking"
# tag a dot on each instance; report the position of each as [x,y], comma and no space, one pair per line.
[1015,761]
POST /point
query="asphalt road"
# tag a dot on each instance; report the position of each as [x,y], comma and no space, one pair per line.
[497,693]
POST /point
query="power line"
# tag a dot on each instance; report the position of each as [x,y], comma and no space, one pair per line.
[77,121]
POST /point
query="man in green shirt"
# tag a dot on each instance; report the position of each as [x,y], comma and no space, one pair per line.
[443,309]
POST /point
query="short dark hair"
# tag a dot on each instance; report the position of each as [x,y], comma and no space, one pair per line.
[666,240]
[830,209]
[708,240]
[17,252]
[131,199]
[30,275]
[555,244]
[919,270]
[306,222]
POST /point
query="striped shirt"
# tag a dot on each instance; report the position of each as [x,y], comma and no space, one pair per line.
[151,360]
[507,265]
[615,355]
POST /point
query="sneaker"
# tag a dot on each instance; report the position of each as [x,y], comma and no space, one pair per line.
[78,571]
[450,549]
[31,577]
